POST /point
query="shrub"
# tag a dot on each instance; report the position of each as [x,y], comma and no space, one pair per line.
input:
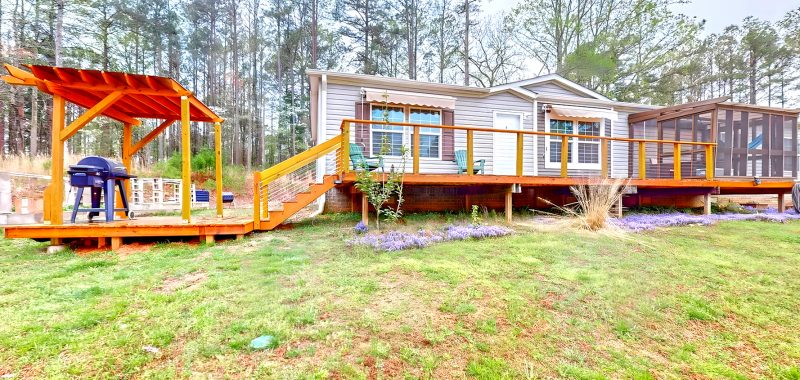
[595,202]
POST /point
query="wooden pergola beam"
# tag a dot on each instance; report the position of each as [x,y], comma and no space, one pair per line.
[90,114]
[87,102]
[151,136]
[186,158]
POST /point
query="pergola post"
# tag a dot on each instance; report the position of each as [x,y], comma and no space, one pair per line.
[186,158]
[57,165]
[127,144]
[218,165]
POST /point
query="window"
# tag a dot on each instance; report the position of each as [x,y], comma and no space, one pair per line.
[560,126]
[582,153]
[429,138]
[588,149]
[389,139]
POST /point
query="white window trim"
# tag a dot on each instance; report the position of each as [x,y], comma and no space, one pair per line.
[411,132]
[407,131]
[573,164]
[379,128]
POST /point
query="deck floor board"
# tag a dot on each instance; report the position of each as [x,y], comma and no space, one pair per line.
[156,226]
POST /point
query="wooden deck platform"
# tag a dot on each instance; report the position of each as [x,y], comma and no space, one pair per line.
[725,185]
[205,228]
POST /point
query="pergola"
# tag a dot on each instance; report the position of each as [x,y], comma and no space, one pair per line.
[126,98]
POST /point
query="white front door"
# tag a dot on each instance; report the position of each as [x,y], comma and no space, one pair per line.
[505,144]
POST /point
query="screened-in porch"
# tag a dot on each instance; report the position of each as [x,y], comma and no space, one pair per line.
[752,141]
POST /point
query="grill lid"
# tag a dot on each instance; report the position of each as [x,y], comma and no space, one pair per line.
[102,165]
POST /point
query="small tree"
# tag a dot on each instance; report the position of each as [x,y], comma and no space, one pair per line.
[381,187]
[387,185]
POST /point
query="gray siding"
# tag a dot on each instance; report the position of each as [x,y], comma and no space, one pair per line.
[470,111]
[479,112]
[555,172]
[549,88]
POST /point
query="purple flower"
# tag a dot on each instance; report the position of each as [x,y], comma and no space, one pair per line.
[641,222]
[361,228]
[398,240]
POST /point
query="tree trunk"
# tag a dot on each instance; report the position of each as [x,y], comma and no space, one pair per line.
[466,42]
[59,33]
[753,70]
[34,136]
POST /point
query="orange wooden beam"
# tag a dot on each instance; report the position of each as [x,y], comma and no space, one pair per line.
[86,102]
[186,161]
[150,136]
[90,114]
[57,162]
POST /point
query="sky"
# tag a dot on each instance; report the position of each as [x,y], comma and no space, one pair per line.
[717,13]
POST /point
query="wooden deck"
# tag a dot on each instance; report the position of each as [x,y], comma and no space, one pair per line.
[732,185]
[147,227]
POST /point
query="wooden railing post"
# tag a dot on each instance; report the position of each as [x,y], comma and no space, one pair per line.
[415,149]
[676,165]
[470,157]
[256,200]
[564,155]
[710,169]
[344,160]
[642,161]
[604,158]
[519,153]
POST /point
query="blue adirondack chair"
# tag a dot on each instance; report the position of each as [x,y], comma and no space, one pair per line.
[461,161]
[361,162]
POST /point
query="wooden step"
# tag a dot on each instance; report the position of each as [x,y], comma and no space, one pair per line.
[300,201]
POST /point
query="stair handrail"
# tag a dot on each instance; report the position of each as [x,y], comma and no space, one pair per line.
[262,179]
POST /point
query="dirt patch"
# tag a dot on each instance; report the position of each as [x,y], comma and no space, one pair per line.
[189,281]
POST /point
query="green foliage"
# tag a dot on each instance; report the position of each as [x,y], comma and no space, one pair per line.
[488,368]
[475,215]
[381,187]
[234,177]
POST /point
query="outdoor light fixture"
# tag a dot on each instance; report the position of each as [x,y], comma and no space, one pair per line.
[756,181]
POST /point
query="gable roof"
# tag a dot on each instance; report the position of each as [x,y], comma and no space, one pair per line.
[554,78]
[514,88]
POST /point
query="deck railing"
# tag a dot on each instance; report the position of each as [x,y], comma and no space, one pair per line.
[263,179]
[566,139]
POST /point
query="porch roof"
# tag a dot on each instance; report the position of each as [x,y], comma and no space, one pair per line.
[679,110]
[124,97]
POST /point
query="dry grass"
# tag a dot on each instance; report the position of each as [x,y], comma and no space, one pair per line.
[594,202]
[39,164]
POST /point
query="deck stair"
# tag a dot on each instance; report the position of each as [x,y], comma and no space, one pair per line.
[300,201]
[288,187]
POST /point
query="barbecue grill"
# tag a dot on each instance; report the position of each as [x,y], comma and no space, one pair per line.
[100,175]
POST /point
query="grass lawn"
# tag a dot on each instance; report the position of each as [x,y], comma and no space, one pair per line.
[704,302]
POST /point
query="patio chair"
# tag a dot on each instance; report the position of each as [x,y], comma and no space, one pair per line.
[461,161]
[361,162]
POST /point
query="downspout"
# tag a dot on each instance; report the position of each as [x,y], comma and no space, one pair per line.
[535,138]
[322,116]
[611,148]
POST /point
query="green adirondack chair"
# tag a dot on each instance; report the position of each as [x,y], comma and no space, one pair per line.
[361,162]
[461,161]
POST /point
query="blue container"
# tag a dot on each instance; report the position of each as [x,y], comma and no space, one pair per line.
[201,196]
[227,197]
